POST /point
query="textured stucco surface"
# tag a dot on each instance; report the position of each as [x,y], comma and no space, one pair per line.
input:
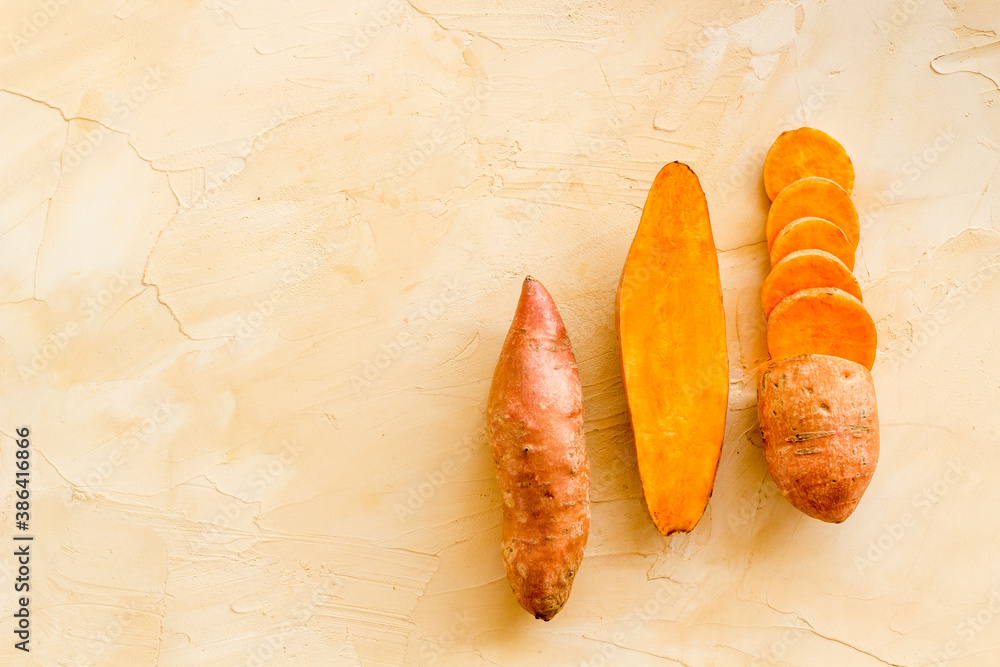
[257,261]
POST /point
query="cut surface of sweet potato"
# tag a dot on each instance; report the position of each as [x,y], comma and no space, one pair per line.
[819,422]
[813,197]
[805,269]
[822,320]
[804,152]
[812,234]
[672,338]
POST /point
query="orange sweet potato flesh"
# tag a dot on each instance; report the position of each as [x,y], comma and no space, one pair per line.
[796,154]
[802,270]
[813,196]
[822,320]
[812,234]
[819,422]
[672,338]
[535,431]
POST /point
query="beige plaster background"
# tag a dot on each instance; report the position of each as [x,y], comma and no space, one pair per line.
[257,260]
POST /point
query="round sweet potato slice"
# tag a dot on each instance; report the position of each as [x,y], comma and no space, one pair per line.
[804,152]
[819,422]
[813,196]
[822,320]
[812,234]
[805,269]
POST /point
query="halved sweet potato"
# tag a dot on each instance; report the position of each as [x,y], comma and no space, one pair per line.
[802,270]
[804,152]
[819,422]
[813,196]
[812,234]
[822,320]
[672,337]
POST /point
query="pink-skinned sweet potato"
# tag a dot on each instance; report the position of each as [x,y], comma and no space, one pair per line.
[819,422]
[535,428]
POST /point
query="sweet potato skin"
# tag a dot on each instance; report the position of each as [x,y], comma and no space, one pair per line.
[819,421]
[672,340]
[536,437]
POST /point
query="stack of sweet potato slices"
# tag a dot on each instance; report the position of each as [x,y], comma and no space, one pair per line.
[811,298]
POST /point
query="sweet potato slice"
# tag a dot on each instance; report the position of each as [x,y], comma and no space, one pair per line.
[819,422]
[672,337]
[813,196]
[822,320]
[535,431]
[802,270]
[812,234]
[804,152]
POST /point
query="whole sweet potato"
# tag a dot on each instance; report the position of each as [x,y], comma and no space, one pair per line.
[535,427]
[820,426]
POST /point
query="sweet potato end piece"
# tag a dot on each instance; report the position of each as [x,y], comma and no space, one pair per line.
[819,422]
